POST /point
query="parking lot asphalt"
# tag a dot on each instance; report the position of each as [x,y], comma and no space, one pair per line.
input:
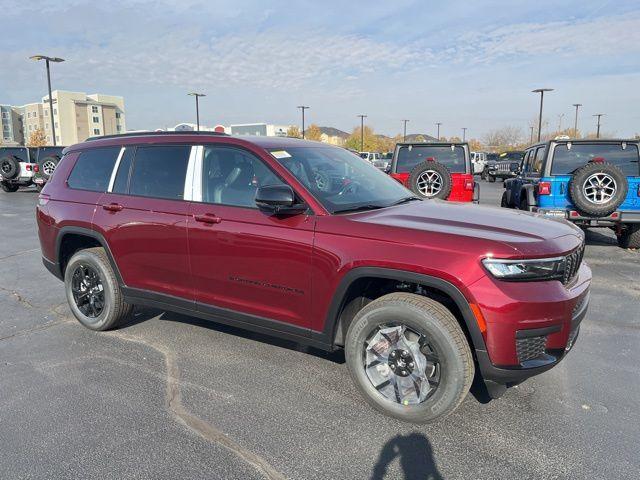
[169,396]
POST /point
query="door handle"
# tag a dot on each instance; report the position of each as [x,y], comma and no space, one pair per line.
[207,218]
[113,207]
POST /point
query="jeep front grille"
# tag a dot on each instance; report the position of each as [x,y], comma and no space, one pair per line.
[572,264]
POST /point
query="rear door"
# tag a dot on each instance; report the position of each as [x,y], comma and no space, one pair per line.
[243,259]
[143,217]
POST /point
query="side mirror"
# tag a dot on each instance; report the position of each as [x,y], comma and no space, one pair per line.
[279,200]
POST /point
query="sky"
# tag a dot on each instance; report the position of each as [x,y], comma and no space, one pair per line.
[461,63]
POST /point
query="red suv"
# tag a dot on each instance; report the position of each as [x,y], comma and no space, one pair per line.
[309,242]
[436,170]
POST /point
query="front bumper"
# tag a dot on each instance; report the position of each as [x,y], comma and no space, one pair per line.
[547,313]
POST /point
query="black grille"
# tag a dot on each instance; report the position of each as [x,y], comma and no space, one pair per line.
[572,264]
[530,348]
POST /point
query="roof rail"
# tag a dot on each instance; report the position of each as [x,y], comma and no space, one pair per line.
[148,134]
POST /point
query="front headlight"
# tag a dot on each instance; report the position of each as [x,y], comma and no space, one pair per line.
[522,270]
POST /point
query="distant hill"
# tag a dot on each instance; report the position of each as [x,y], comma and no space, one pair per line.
[414,137]
[334,132]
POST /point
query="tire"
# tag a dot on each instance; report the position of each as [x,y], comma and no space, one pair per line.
[430,180]
[630,236]
[9,188]
[39,187]
[9,166]
[48,165]
[491,178]
[114,309]
[585,195]
[524,203]
[443,338]
[503,200]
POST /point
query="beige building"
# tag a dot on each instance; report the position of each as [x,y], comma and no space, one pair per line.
[76,116]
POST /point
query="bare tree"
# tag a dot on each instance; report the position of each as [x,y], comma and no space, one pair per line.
[505,138]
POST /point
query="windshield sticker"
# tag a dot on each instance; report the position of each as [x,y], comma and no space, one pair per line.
[281,154]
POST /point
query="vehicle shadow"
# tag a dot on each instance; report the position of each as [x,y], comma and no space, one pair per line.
[415,455]
[596,237]
[142,314]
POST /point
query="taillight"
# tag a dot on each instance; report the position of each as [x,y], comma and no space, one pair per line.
[639,190]
[29,167]
[36,168]
[544,188]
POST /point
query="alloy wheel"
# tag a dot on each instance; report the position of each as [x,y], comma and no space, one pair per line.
[88,291]
[429,183]
[599,188]
[48,167]
[401,364]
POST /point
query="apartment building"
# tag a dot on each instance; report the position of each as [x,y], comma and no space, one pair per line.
[76,117]
[11,131]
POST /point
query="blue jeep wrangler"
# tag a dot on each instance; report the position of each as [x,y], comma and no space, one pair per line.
[592,183]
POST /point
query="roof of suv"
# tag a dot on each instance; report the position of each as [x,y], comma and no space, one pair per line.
[584,140]
[430,144]
[194,137]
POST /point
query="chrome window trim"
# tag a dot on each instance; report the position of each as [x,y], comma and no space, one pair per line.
[114,172]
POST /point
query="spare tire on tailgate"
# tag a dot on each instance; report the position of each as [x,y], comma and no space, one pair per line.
[598,189]
[9,167]
[47,165]
[430,179]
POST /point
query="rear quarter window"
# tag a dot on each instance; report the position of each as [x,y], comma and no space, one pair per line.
[160,171]
[93,169]
[411,156]
[567,160]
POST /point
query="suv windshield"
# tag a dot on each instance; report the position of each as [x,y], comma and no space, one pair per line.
[21,153]
[412,155]
[511,156]
[340,180]
[566,161]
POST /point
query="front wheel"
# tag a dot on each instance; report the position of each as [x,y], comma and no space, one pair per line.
[491,179]
[93,292]
[409,357]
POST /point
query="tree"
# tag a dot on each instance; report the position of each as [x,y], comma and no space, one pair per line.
[475,145]
[371,141]
[294,132]
[505,138]
[454,139]
[313,132]
[37,138]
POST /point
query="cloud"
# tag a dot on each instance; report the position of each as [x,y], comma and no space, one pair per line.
[610,35]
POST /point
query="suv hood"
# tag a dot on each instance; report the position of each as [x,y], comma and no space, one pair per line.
[523,233]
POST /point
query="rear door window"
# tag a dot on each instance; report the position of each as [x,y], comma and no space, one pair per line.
[160,171]
[537,160]
[93,169]
[567,160]
[412,155]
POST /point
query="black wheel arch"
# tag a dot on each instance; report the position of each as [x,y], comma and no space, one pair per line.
[70,239]
[331,331]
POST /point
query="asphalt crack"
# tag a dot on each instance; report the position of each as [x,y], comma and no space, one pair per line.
[38,328]
[17,254]
[193,422]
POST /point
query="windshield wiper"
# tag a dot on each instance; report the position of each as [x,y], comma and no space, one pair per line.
[359,208]
[404,200]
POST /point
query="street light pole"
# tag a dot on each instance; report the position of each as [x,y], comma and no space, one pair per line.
[303,108]
[464,133]
[404,130]
[47,60]
[598,131]
[541,92]
[531,136]
[575,123]
[197,95]
[438,124]
[362,117]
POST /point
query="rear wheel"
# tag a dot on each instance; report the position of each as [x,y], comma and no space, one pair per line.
[431,179]
[630,236]
[524,204]
[93,292]
[598,188]
[8,187]
[409,357]
[503,200]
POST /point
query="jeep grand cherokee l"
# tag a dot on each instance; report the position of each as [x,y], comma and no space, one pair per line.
[311,243]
